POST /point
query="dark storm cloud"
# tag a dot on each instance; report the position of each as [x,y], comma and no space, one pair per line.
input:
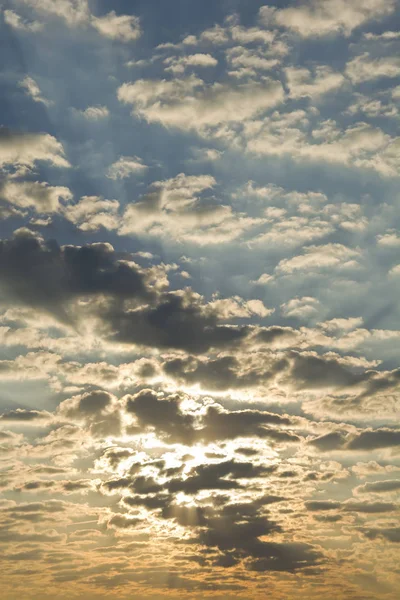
[312,372]
[323,505]
[371,439]
[391,534]
[236,530]
[172,323]
[219,424]
[122,522]
[87,405]
[330,441]
[26,416]
[221,476]
[375,439]
[43,275]
[224,372]
[390,485]
[351,506]
[165,416]
[301,370]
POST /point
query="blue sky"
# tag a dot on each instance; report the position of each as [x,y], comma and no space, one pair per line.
[199,209]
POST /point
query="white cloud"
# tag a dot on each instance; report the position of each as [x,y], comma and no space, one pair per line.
[264,279]
[16,22]
[94,113]
[125,166]
[74,12]
[32,89]
[302,82]
[317,18]
[191,104]
[249,61]
[175,208]
[125,28]
[364,68]
[27,148]
[386,36]
[340,324]
[320,258]
[41,196]
[92,212]
[237,308]
[395,271]
[178,65]
[391,239]
[360,145]
[300,308]
[209,154]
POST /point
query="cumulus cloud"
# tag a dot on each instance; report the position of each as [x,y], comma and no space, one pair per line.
[191,104]
[179,65]
[328,17]
[18,23]
[361,145]
[40,196]
[125,166]
[94,113]
[179,206]
[27,148]
[302,82]
[125,28]
[92,213]
[320,258]
[33,90]
[364,68]
[46,276]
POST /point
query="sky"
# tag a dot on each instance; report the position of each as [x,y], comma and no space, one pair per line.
[199,283]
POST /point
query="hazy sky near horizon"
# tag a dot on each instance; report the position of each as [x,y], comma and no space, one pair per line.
[199,314]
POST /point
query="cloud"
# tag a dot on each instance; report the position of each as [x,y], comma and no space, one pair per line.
[375,439]
[179,65]
[316,18]
[33,91]
[162,414]
[72,11]
[320,258]
[125,28]
[191,104]
[303,83]
[27,148]
[46,276]
[360,145]
[367,440]
[40,196]
[26,417]
[388,240]
[92,213]
[125,166]
[177,321]
[379,487]
[246,62]
[94,113]
[391,534]
[300,307]
[364,68]
[16,22]
[171,423]
[351,506]
[178,207]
